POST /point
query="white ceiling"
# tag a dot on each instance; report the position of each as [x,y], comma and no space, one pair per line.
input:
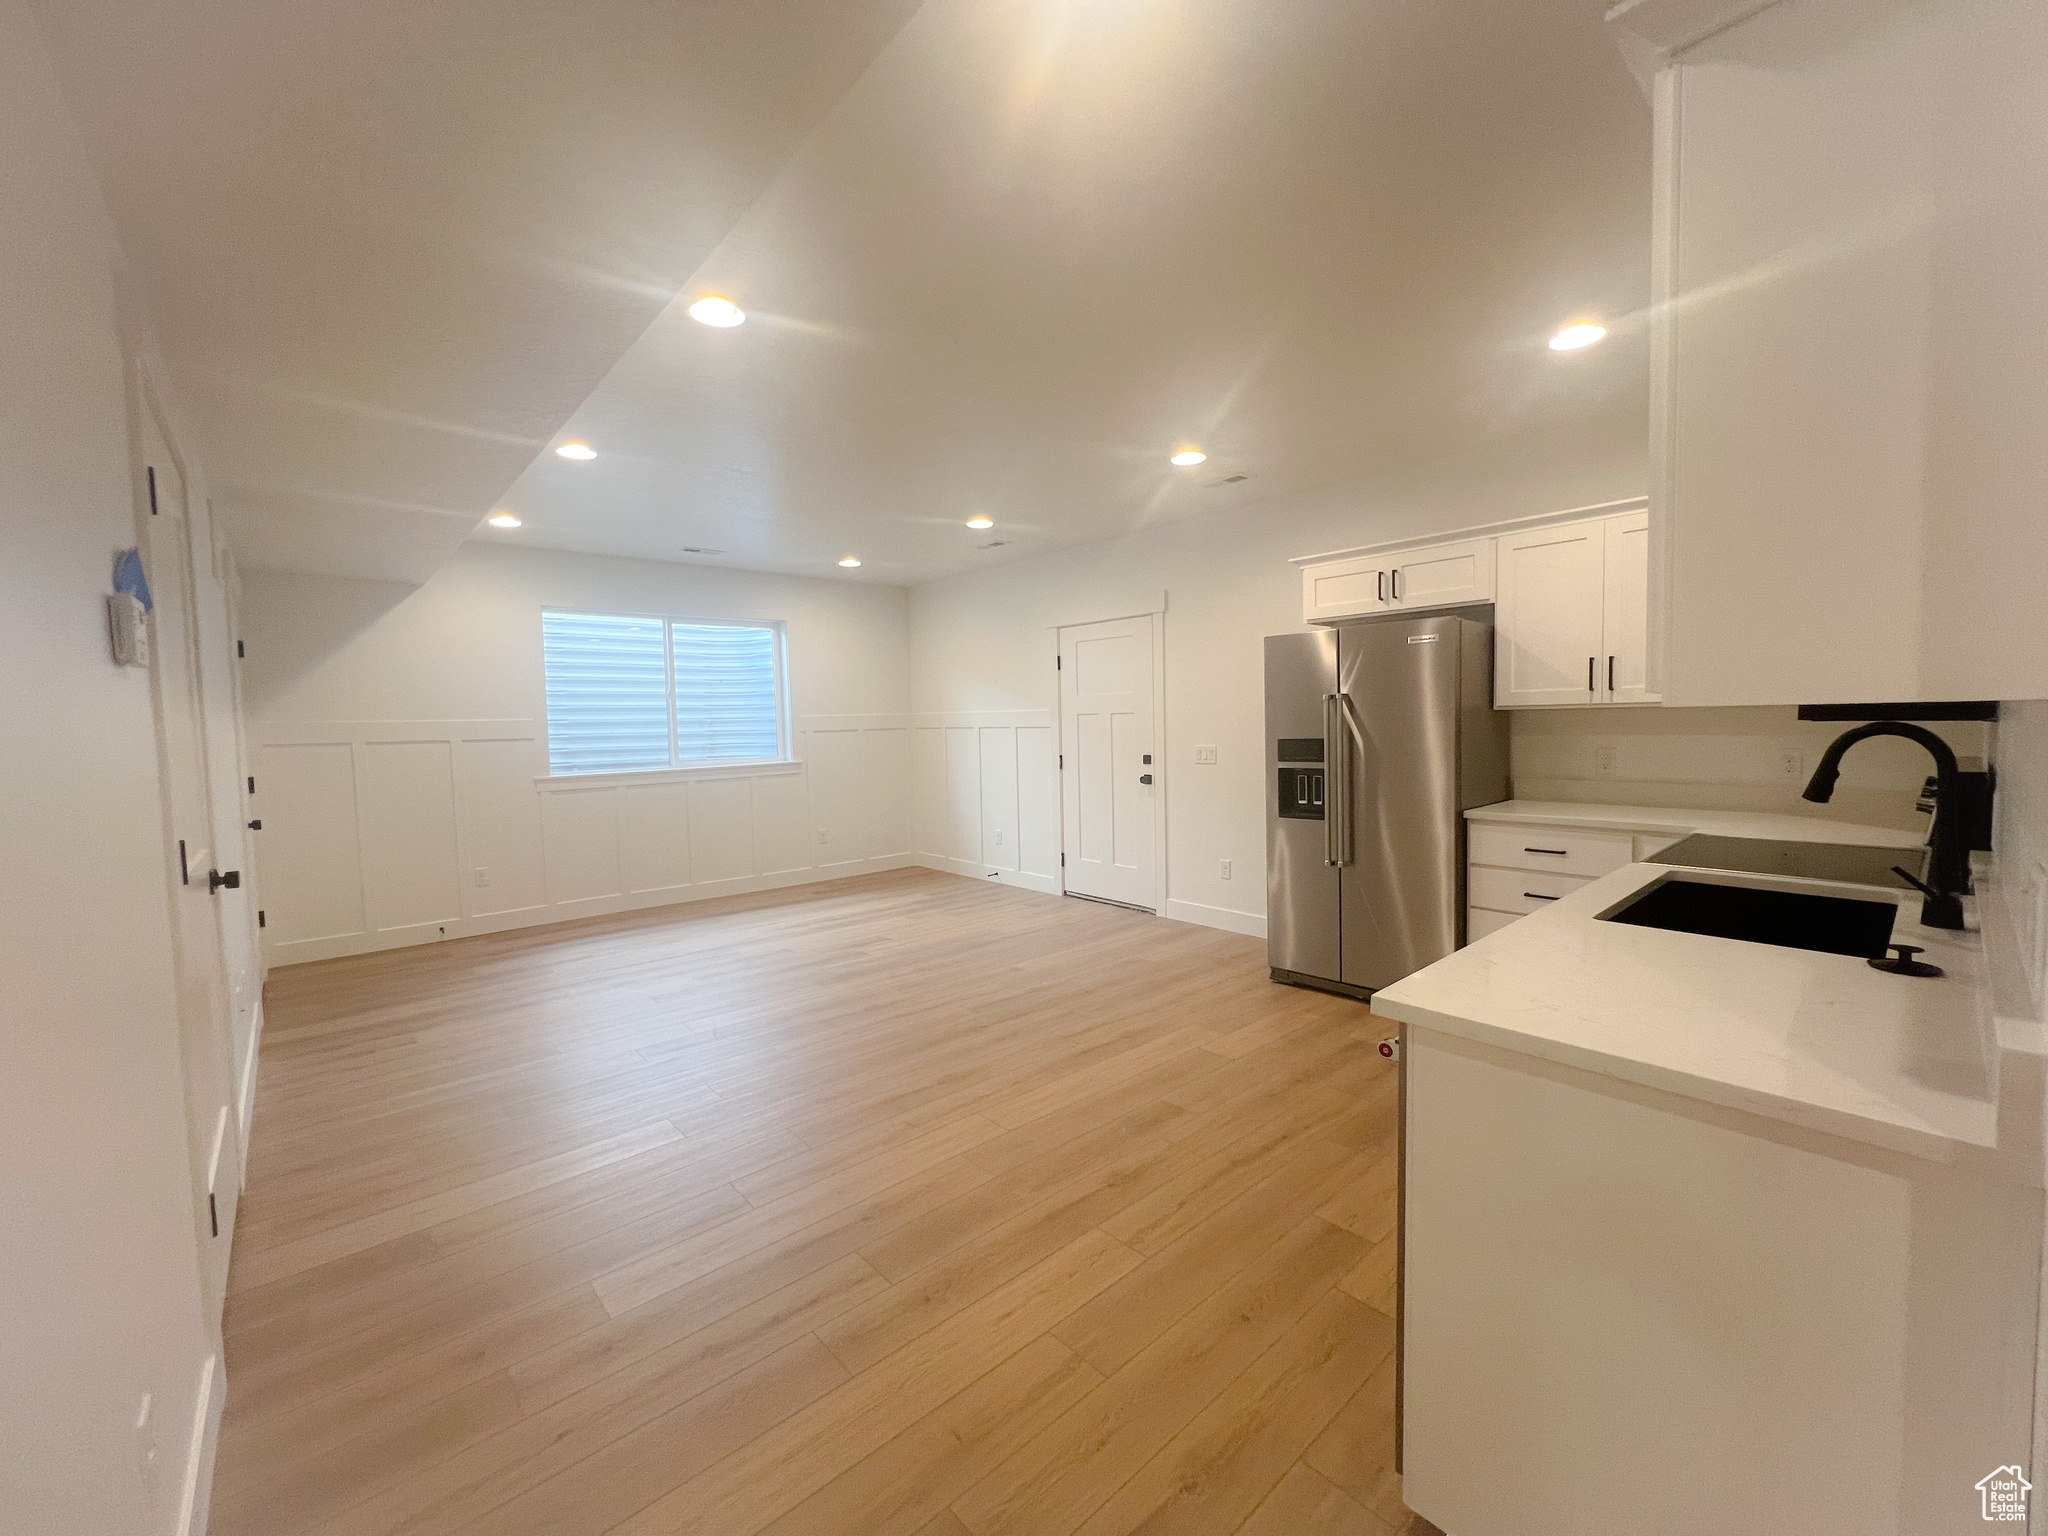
[388,245]
[1003,263]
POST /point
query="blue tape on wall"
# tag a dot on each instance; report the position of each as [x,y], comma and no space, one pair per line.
[129,578]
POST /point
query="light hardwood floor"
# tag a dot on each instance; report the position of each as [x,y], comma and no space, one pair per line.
[902,1204]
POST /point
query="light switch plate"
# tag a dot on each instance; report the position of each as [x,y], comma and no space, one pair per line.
[1205,754]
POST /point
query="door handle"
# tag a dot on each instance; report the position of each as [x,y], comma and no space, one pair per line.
[1397,583]
[1336,841]
[1380,580]
[1591,663]
[1144,778]
[216,881]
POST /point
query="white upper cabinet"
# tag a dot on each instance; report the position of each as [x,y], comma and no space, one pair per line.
[1547,631]
[1444,574]
[1849,348]
[1571,626]
[1625,609]
[1434,576]
[1345,589]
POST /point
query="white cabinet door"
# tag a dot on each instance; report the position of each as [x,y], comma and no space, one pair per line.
[1444,574]
[1547,633]
[1625,610]
[1345,589]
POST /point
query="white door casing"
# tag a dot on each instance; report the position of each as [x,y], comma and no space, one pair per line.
[1109,748]
[212,1129]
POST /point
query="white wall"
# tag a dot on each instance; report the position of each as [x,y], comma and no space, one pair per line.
[1734,759]
[99,1273]
[982,646]
[398,733]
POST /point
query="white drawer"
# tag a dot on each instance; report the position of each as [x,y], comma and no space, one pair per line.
[1549,848]
[1517,890]
[1479,923]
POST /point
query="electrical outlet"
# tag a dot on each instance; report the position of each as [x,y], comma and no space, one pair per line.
[1792,765]
[1606,761]
[1223,869]
[1205,754]
[999,837]
[483,876]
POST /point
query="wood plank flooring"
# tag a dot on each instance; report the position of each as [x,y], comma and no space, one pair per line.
[907,1203]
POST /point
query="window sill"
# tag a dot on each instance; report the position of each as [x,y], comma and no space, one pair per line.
[757,768]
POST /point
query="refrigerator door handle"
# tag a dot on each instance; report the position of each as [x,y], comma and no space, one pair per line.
[1338,845]
[1336,835]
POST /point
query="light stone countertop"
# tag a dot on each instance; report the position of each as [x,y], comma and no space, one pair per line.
[1673,822]
[1816,1040]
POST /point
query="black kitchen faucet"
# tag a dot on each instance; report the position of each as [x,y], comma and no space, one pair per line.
[1948,863]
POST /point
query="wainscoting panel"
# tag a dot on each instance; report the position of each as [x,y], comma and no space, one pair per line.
[985,789]
[407,797]
[383,833]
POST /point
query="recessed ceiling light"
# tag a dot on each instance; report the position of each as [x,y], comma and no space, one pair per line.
[577,451]
[502,520]
[718,310]
[1573,337]
[1188,457]
[849,562]
[981,522]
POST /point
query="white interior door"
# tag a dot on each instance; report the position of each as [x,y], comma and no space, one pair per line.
[1548,637]
[191,858]
[1109,770]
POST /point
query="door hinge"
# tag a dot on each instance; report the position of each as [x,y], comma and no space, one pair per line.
[1063,861]
[213,1211]
[239,651]
[1063,759]
[252,785]
[184,871]
[1058,664]
[261,920]
[152,489]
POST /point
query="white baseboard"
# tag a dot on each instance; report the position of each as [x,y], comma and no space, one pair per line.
[196,1499]
[569,911]
[1248,923]
[1022,879]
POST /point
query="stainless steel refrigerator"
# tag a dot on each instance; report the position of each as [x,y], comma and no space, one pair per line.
[1380,734]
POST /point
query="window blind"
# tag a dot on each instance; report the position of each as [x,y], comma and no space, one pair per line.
[727,698]
[607,685]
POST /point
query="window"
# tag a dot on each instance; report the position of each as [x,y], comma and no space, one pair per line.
[628,692]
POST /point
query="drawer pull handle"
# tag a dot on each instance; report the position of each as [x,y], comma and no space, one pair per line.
[1538,896]
[1560,852]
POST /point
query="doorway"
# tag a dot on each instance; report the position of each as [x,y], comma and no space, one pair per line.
[1112,778]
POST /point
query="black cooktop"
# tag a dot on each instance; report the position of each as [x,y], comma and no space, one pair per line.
[1809,861]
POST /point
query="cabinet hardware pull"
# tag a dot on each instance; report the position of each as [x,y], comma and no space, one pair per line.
[1538,896]
[1610,674]
[1397,584]
[1560,852]
[1380,579]
[1591,662]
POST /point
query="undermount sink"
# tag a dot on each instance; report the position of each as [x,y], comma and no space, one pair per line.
[1833,925]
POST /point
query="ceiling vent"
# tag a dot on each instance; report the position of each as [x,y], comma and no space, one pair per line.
[1228,480]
